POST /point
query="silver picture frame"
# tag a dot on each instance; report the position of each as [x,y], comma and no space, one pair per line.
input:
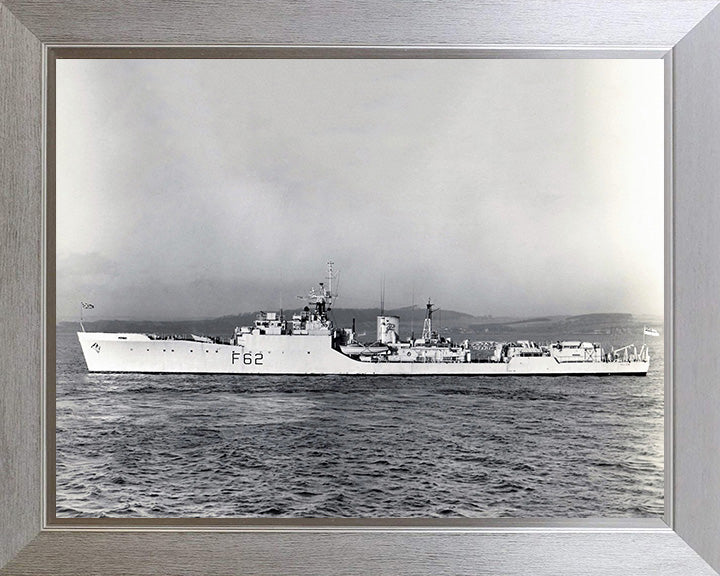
[685,34]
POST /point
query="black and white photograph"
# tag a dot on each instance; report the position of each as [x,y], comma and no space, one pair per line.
[367,288]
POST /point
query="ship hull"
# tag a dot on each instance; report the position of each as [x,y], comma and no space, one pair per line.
[289,354]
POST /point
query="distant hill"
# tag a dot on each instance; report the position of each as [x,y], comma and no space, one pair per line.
[451,323]
[583,324]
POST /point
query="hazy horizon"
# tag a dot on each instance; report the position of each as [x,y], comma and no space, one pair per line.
[89,316]
[194,189]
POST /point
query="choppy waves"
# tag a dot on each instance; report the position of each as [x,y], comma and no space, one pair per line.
[239,446]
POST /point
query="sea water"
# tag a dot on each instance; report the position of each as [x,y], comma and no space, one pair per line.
[164,445]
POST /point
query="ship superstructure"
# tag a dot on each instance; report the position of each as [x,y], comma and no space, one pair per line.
[309,343]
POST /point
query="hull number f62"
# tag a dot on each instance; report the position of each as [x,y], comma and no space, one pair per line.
[248,358]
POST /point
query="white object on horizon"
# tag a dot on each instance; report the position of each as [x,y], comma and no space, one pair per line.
[650,331]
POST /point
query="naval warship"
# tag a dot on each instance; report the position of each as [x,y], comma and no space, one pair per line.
[308,343]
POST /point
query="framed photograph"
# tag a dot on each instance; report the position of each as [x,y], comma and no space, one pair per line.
[132,273]
[194,198]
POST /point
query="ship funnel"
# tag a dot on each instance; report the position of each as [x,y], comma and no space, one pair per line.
[388,329]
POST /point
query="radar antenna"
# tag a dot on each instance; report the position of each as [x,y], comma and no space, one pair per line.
[322,299]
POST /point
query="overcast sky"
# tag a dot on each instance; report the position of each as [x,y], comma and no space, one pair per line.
[196,188]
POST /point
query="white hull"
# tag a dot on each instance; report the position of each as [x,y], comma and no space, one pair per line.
[293,354]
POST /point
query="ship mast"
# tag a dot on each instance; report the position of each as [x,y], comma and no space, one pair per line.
[427,324]
[330,277]
[382,297]
[329,293]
